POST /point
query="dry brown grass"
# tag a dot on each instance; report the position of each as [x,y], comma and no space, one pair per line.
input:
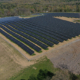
[67,57]
[67,19]
[11,61]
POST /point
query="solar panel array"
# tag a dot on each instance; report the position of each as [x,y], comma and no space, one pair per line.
[41,32]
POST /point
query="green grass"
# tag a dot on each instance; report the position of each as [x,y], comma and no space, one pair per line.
[78,77]
[78,20]
[40,52]
[47,49]
[33,54]
[43,64]
[30,16]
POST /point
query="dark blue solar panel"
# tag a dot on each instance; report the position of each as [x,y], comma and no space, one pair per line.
[43,30]
[24,47]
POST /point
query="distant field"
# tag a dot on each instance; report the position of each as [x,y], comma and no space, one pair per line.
[29,16]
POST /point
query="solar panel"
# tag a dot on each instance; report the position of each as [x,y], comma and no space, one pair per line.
[40,32]
[24,47]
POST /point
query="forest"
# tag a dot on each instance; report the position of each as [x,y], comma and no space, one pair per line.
[28,7]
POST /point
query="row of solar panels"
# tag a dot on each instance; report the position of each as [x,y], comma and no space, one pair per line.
[42,27]
[24,47]
[38,32]
[70,30]
[57,25]
[33,28]
[27,36]
[35,36]
[43,30]
[23,40]
[37,28]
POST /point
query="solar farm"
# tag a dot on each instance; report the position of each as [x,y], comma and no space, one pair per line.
[39,33]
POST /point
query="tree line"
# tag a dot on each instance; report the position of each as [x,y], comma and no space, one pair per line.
[15,9]
[47,75]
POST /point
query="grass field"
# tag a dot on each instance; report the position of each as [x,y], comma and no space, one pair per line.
[43,64]
[29,16]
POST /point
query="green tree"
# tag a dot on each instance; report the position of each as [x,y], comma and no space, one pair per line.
[73,76]
[44,74]
[32,77]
